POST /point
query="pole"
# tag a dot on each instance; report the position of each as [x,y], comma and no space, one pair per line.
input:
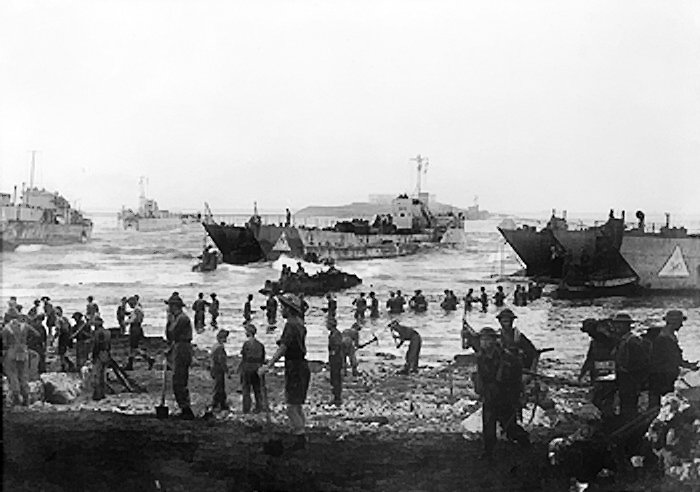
[31,172]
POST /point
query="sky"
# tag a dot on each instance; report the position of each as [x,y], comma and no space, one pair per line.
[578,105]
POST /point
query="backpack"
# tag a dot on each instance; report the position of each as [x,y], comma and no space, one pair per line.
[634,354]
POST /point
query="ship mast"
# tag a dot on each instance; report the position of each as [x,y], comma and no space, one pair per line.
[31,170]
[421,169]
[142,194]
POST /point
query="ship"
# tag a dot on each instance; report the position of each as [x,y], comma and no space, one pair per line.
[665,261]
[149,217]
[583,262]
[539,250]
[410,228]
[40,217]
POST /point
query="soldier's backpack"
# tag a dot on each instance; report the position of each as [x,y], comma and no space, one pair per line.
[634,354]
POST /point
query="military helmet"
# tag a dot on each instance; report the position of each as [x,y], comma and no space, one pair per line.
[675,315]
[506,314]
[488,332]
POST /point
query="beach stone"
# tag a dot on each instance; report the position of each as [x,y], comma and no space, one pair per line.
[36,391]
[61,388]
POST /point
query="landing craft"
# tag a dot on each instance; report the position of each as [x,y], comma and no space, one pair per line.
[667,260]
[40,217]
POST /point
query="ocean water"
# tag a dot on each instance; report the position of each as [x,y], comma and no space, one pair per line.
[118,263]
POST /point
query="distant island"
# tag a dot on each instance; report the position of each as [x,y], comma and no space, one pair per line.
[379,207]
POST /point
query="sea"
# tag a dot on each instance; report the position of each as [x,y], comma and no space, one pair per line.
[117,263]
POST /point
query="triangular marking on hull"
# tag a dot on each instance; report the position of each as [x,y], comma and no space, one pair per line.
[675,266]
[282,244]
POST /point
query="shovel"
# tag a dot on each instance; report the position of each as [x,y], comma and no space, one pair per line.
[162,410]
[271,446]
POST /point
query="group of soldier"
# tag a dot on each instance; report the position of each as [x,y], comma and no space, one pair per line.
[622,363]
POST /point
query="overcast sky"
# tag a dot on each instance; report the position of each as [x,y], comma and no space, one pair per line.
[532,105]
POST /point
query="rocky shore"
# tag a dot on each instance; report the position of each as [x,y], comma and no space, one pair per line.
[392,433]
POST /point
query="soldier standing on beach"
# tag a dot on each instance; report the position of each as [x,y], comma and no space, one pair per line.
[499,383]
[50,313]
[121,315]
[360,304]
[252,357]
[91,310]
[600,364]
[102,343]
[292,345]
[136,335]
[179,334]
[332,306]
[335,360]
[16,356]
[373,306]
[667,358]
[632,364]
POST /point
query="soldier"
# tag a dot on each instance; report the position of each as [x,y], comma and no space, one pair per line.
[449,303]
[247,310]
[16,355]
[65,338]
[469,300]
[499,383]
[400,302]
[632,364]
[34,310]
[179,334]
[102,343]
[214,310]
[252,357]
[332,307]
[271,309]
[38,343]
[402,334]
[499,297]
[292,345]
[199,306]
[600,365]
[335,360]
[484,298]
[91,309]
[373,306]
[121,315]
[136,335]
[513,339]
[351,340]
[219,370]
[360,307]
[667,359]
[418,303]
[50,313]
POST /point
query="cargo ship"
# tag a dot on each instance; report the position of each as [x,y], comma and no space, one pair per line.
[665,261]
[408,229]
[40,217]
[150,218]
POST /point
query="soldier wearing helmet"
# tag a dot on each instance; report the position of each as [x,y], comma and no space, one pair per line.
[514,340]
[667,358]
[292,345]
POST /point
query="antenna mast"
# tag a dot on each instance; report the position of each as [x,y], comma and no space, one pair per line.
[421,168]
[31,172]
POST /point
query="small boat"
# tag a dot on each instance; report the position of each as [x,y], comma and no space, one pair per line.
[331,280]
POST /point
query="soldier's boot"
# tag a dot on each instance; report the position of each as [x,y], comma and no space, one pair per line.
[129,365]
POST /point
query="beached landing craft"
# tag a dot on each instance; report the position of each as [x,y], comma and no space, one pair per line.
[410,227]
[40,217]
[667,260]
[150,218]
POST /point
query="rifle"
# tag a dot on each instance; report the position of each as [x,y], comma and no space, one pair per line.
[554,379]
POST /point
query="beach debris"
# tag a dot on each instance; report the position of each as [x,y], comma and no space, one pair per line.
[675,438]
[61,388]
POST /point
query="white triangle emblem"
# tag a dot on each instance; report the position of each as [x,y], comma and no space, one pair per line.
[675,266]
[282,244]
